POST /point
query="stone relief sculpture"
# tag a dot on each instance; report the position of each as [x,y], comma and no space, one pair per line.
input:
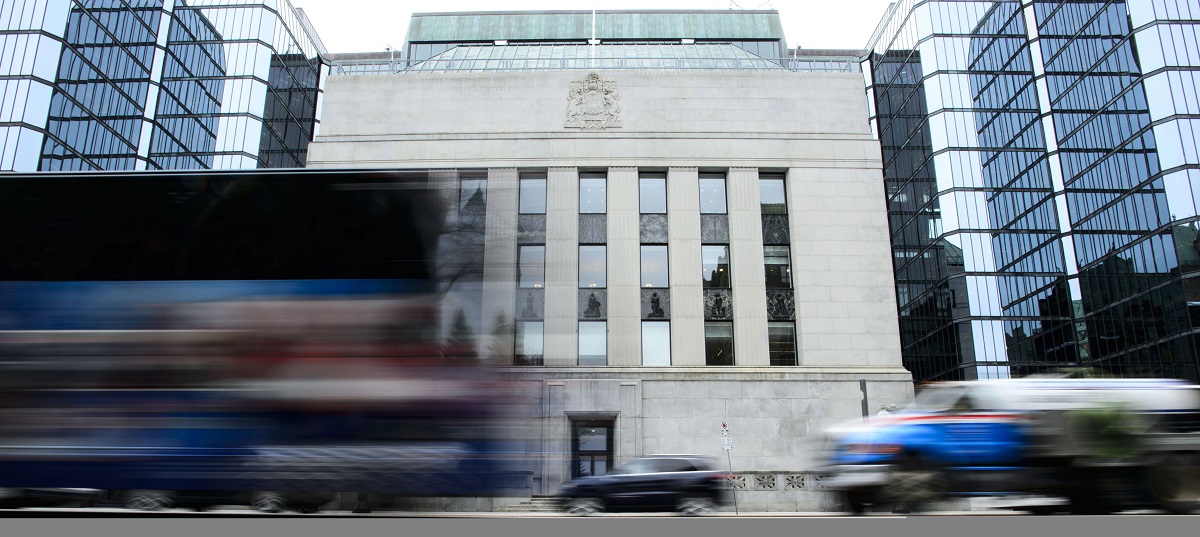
[529,310]
[593,307]
[718,307]
[780,304]
[593,104]
[656,310]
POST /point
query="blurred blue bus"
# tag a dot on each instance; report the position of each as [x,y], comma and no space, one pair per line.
[268,337]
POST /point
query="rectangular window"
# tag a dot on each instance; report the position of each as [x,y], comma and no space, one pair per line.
[531,269]
[529,343]
[716,265]
[472,190]
[777,260]
[652,193]
[718,343]
[472,200]
[533,195]
[654,266]
[771,195]
[781,338]
[593,197]
[593,266]
[712,194]
[656,343]
[593,343]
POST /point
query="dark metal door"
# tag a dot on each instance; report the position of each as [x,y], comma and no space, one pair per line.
[591,447]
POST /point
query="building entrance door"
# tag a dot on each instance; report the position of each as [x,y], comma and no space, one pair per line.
[591,447]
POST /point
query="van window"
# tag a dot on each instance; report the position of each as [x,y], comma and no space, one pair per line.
[938,397]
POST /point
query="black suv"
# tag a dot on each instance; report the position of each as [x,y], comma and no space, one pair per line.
[689,484]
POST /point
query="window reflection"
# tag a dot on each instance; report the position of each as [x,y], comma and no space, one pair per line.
[718,343]
[652,193]
[772,196]
[712,194]
[593,266]
[778,264]
[593,343]
[593,197]
[104,72]
[533,196]
[531,268]
[529,343]
[656,343]
[654,266]
[472,195]
[715,260]
[781,339]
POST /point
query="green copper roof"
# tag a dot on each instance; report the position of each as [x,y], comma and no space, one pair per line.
[573,25]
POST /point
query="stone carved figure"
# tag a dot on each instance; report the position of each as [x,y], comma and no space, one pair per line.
[656,311]
[779,306]
[718,307]
[593,307]
[529,311]
[593,103]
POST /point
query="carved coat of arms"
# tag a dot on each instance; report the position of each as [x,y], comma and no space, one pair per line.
[593,103]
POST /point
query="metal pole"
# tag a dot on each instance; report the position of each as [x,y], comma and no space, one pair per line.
[862,386]
[732,489]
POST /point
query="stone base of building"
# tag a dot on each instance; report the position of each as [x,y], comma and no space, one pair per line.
[582,420]
[748,501]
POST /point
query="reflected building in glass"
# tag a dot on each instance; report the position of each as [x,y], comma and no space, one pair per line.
[1040,162]
[156,84]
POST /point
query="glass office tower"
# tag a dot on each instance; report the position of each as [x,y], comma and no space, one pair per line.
[1041,166]
[156,84]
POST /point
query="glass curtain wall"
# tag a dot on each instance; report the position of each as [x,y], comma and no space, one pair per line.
[158,84]
[1033,227]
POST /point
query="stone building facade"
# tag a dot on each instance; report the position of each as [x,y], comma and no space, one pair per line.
[664,249]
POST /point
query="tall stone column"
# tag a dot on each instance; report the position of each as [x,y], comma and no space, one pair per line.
[746,262]
[687,293]
[624,268]
[500,263]
[562,271]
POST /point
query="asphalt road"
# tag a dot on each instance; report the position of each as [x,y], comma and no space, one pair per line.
[237,522]
[89,523]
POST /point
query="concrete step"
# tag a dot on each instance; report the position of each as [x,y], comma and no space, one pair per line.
[536,504]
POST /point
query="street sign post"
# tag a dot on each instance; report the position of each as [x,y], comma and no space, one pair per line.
[727,445]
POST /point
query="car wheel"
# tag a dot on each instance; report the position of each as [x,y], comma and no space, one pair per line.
[269,502]
[1175,484]
[147,500]
[914,485]
[308,508]
[854,501]
[585,506]
[1085,501]
[695,506]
